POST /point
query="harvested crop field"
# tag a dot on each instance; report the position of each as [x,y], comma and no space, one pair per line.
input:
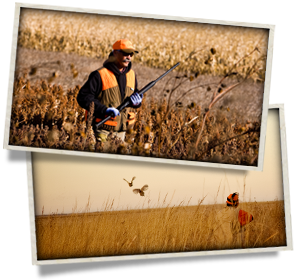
[205,48]
[149,231]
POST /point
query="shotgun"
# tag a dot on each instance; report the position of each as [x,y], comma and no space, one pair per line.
[126,102]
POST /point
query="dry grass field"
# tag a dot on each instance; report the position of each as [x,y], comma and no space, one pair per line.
[152,230]
[208,109]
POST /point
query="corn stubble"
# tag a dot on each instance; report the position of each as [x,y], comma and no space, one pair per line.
[180,228]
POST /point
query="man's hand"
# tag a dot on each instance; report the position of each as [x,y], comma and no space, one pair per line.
[112,110]
[136,99]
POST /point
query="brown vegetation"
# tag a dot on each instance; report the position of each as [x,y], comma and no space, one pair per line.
[148,231]
[47,115]
[210,48]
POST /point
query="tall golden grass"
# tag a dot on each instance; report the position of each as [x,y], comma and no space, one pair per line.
[152,230]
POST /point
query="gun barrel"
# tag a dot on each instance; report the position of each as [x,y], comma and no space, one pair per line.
[147,87]
[166,73]
[151,84]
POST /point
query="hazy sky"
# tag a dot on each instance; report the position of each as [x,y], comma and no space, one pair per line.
[62,181]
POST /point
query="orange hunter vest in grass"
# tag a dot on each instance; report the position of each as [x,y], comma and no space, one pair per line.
[244,217]
[110,96]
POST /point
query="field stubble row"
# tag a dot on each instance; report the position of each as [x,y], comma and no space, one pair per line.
[202,48]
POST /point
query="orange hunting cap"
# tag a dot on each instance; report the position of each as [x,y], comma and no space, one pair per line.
[233,199]
[124,45]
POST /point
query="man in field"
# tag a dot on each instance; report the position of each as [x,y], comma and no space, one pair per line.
[107,87]
[230,222]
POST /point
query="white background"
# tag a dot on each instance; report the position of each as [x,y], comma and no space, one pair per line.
[285,77]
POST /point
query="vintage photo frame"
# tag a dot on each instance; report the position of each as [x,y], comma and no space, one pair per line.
[279,111]
[168,11]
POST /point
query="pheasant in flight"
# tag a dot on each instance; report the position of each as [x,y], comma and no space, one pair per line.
[141,191]
[130,184]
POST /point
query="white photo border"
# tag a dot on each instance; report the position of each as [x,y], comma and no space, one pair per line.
[265,104]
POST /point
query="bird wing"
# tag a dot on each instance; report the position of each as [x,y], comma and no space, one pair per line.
[125,180]
[136,191]
[132,179]
[144,188]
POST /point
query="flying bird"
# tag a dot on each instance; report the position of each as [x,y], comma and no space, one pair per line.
[141,191]
[130,184]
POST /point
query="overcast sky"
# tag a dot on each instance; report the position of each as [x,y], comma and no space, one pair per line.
[61,181]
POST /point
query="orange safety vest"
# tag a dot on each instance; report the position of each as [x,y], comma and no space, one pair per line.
[244,217]
[110,96]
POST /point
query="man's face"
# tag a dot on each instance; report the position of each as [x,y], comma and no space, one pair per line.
[122,58]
